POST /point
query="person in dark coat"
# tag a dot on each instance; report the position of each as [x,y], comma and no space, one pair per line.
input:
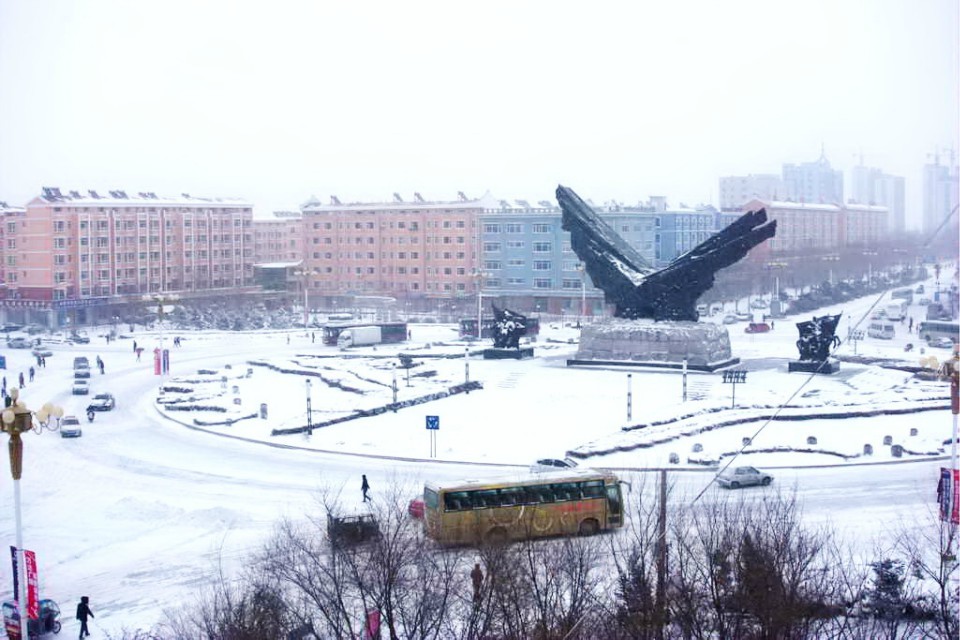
[21,380]
[83,611]
[364,487]
[33,372]
[477,577]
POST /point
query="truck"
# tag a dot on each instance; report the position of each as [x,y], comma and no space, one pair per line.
[896,310]
[359,336]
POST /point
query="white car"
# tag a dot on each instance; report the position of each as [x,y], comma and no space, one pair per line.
[552,464]
[81,387]
[737,477]
[70,427]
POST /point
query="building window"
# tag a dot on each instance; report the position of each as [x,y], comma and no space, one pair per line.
[492,265]
[541,265]
[516,262]
[491,247]
[542,247]
[514,227]
[542,283]
[491,228]
[516,282]
[542,228]
[570,283]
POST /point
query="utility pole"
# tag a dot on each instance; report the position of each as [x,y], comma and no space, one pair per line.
[661,605]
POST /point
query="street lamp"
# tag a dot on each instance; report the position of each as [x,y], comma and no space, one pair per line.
[583,292]
[304,274]
[17,419]
[161,300]
[479,275]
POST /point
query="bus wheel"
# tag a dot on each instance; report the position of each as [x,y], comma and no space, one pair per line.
[497,536]
[589,527]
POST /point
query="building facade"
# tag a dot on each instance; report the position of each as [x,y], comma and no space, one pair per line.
[91,255]
[805,227]
[872,186]
[737,190]
[941,192]
[278,238]
[813,182]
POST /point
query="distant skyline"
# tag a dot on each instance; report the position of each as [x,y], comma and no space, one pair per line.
[275,103]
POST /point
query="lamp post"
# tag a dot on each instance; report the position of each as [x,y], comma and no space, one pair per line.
[583,292]
[304,275]
[479,277]
[309,409]
[18,419]
[160,300]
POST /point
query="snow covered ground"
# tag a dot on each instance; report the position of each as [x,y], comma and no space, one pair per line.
[147,505]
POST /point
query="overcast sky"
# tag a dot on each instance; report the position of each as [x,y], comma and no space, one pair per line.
[278,101]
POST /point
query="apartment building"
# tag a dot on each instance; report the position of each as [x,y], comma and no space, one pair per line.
[418,251]
[278,238]
[95,255]
[803,226]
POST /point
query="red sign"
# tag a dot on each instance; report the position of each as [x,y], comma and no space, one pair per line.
[30,567]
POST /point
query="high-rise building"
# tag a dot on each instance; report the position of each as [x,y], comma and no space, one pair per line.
[871,186]
[813,182]
[940,192]
[737,190]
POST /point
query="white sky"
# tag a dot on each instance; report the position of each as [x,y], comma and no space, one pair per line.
[277,101]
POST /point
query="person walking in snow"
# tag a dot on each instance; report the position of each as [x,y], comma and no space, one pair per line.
[83,612]
[365,487]
[21,380]
[477,577]
[32,373]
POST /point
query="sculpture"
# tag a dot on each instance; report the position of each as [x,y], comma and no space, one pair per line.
[638,289]
[817,338]
[508,327]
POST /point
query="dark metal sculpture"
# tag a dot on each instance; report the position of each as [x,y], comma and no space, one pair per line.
[817,338]
[508,327]
[636,288]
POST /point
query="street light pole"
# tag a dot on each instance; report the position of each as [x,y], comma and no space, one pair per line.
[17,419]
[583,292]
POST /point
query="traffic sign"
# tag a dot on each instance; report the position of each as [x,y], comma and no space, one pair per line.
[433,423]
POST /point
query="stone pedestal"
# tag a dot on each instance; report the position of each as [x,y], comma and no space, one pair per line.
[705,346]
[503,354]
[814,366]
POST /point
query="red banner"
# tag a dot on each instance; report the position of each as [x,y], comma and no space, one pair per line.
[156,362]
[33,583]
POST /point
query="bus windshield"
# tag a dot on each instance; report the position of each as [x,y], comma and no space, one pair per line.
[568,502]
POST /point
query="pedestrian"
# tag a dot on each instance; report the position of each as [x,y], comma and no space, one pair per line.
[134,346]
[32,373]
[364,487]
[477,577]
[313,337]
[21,380]
[83,611]
[38,361]
[101,367]
[910,330]
[139,352]
[43,361]
[288,338]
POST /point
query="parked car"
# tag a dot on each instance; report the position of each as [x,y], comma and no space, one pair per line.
[102,402]
[757,327]
[70,427]
[7,328]
[80,387]
[41,352]
[34,329]
[353,529]
[943,342]
[19,343]
[552,464]
[79,338]
[919,289]
[415,508]
[81,361]
[758,304]
[736,477]
[730,319]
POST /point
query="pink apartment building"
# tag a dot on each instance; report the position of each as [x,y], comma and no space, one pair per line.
[279,238]
[90,257]
[805,226]
[417,252]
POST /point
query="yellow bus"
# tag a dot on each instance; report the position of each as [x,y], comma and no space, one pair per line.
[565,502]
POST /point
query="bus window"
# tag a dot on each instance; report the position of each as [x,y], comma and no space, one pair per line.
[430,499]
[545,494]
[456,501]
[511,495]
[488,498]
[566,491]
[593,489]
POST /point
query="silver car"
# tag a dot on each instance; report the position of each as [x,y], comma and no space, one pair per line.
[70,427]
[552,464]
[736,477]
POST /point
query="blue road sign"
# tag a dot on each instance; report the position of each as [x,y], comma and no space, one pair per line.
[433,423]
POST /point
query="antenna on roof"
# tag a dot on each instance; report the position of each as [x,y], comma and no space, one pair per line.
[462,196]
[418,197]
[93,194]
[396,197]
[75,194]
[334,200]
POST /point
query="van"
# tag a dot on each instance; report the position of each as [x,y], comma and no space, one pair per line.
[881,330]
